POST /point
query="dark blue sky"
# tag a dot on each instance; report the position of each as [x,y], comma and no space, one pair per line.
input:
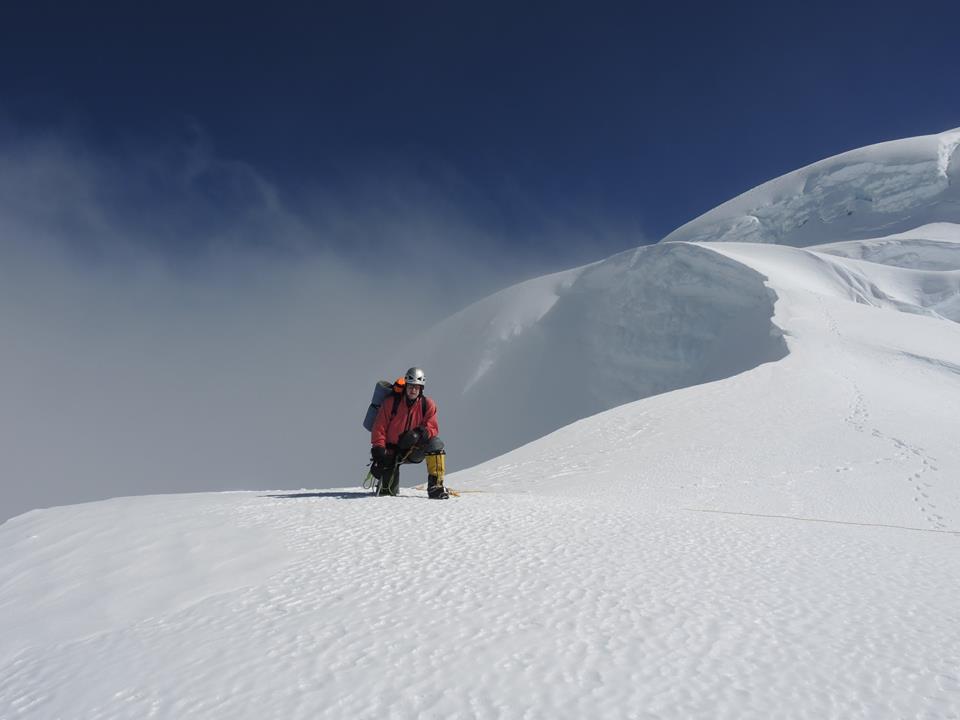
[632,115]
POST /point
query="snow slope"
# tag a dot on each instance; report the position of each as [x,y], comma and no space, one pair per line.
[640,323]
[668,316]
[940,243]
[779,543]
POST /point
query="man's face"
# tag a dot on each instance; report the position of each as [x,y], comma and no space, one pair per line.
[412,390]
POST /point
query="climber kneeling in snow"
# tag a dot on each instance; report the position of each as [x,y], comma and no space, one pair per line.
[405,431]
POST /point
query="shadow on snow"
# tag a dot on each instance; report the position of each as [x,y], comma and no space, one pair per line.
[340,495]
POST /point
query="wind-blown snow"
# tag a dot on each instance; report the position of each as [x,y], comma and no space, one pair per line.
[493,322]
[771,531]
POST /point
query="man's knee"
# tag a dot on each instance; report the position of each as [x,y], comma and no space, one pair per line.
[418,453]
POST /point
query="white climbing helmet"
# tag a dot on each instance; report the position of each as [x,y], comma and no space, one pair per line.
[415,376]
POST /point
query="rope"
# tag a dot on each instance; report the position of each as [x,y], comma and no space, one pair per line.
[455,493]
[371,483]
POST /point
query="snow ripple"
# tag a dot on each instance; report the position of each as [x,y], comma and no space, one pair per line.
[525,606]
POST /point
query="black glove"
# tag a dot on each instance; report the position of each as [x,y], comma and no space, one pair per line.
[424,434]
[408,439]
[383,460]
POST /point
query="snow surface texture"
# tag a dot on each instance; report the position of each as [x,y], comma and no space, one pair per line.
[779,539]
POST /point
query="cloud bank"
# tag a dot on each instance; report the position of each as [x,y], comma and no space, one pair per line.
[173,321]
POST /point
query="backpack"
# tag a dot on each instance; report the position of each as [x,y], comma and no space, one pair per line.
[381,393]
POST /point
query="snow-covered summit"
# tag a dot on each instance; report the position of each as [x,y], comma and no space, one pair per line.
[882,189]
[544,353]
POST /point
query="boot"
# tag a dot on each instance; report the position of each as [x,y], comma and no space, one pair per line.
[390,482]
[435,488]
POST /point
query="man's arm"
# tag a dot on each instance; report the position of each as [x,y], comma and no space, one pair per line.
[429,421]
[378,436]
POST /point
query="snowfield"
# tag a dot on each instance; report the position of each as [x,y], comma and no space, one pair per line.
[767,523]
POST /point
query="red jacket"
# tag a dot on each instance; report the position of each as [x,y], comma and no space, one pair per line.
[387,430]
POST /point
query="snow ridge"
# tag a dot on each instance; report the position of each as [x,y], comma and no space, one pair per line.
[884,188]
[545,353]
[930,247]
[640,323]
